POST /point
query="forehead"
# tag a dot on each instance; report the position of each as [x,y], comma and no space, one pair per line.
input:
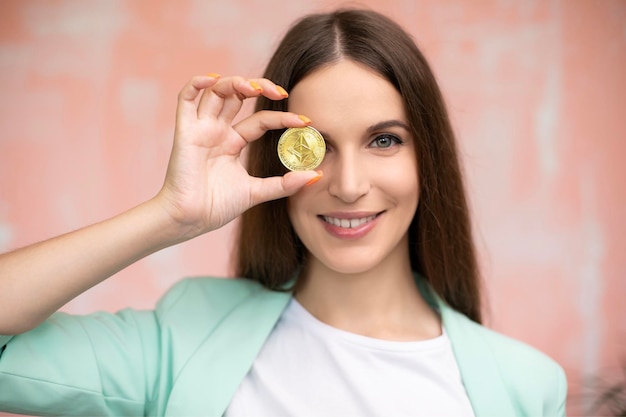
[346,93]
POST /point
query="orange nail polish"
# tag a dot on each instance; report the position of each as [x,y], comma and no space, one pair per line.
[213,75]
[304,118]
[282,91]
[256,86]
[315,179]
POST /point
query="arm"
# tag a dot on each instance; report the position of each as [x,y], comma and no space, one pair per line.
[206,186]
[37,280]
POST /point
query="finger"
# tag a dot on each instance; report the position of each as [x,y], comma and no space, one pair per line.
[230,108]
[262,86]
[272,188]
[212,102]
[260,122]
[246,88]
[190,92]
[235,93]
[270,89]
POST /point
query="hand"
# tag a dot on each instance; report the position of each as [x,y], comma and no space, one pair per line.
[206,185]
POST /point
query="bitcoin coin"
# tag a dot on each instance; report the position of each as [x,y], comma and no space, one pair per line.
[301,148]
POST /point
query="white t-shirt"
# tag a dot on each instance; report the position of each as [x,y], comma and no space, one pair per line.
[308,368]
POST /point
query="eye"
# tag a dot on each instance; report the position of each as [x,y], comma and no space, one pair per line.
[385,141]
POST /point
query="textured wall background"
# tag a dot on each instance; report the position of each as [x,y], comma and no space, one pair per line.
[536,90]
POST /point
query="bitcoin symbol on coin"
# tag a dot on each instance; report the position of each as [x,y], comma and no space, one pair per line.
[301,148]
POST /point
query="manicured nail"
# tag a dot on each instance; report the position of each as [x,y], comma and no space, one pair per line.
[213,75]
[282,91]
[304,119]
[256,86]
[315,179]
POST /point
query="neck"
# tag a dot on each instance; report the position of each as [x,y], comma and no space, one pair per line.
[383,302]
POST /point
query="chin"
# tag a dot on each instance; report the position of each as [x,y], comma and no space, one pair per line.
[350,265]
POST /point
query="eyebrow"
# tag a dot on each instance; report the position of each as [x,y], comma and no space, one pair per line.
[378,127]
[387,124]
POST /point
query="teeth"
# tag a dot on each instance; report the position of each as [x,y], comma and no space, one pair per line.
[348,223]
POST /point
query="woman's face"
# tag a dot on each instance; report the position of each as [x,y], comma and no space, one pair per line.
[357,216]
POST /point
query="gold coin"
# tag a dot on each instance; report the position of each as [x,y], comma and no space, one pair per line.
[301,148]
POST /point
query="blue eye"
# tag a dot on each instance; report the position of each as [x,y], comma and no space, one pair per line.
[385,141]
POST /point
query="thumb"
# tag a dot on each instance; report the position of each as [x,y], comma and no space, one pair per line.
[273,188]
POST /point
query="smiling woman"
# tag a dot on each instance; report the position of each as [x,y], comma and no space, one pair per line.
[399,83]
[359,292]
[356,218]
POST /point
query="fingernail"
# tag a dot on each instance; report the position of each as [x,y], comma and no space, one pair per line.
[256,86]
[282,91]
[304,119]
[315,179]
[213,75]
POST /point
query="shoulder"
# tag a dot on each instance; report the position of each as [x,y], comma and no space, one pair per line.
[529,375]
[194,310]
[518,357]
[206,296]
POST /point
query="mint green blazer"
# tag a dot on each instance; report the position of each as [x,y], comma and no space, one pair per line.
[189,355]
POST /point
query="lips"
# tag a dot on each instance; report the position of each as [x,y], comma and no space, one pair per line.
[348,223]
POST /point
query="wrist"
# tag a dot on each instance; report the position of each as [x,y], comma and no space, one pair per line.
[171,225]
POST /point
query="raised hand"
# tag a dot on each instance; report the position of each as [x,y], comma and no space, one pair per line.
[206,185]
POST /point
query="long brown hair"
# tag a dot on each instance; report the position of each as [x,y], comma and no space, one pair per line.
[441,244]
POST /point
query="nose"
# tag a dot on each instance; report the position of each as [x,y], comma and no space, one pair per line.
[349,177]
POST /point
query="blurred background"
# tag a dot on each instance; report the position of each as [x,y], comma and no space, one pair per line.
[537,95]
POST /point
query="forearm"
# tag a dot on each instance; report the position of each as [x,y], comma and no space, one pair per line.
[37,280]
[206,186]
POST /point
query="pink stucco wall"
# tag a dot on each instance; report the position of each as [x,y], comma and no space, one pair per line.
[536,90]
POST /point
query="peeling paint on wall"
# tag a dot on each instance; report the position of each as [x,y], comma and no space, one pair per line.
[536,91]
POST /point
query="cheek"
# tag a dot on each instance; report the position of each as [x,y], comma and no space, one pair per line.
[404,192]
[413,191]
[401,179]
[296,207]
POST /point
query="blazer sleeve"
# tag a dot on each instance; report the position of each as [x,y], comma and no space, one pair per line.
[536,383]
[561,396]
[99,364]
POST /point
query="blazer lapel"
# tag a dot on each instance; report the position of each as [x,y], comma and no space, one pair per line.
[479,371]
[226,355]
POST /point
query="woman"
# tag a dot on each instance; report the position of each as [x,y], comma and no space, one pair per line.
[361,294]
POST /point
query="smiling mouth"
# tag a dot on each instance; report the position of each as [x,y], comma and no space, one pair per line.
[348,223]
